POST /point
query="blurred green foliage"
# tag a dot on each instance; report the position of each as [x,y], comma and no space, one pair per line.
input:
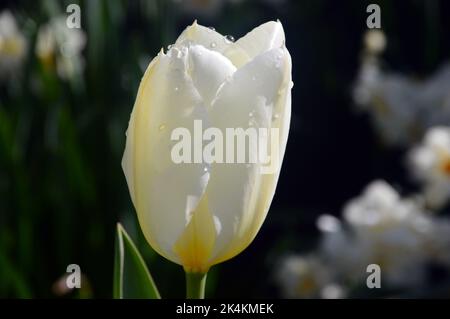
[61,185]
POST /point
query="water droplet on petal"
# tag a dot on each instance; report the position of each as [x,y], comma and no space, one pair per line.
[211,29]
[253,78]
[275,116]
[205,169]
[250,114]
[229,39]
[176,89]
[162,127]
[169,47]
[213,45]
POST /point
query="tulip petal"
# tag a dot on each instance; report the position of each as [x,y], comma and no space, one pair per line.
[213,40]
[195,245]
[201,35]
[265,37]
[239,195]
[166,99]
[261,39]
[208,70]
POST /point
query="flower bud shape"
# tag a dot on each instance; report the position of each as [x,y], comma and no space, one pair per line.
[199,214]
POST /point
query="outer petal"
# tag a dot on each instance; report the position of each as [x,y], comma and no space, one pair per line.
[265,37]
[166,99]
[239,195]
[196,244]
[209,38]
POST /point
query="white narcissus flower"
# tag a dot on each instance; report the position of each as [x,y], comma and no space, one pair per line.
[60,45]
[13,44]
[401,107]
[380,227]
[386,230]
[375,41]
[392,101]
[430,163]
[307,277]
[198,215]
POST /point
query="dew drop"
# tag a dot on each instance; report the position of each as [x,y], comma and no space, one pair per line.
[176,89]
[205,169]
[162,127]
[250,114]
[275,116]
[213,45]
[253,78]
[169,47]
[229,39]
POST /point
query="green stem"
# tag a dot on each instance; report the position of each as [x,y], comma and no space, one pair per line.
[195,285]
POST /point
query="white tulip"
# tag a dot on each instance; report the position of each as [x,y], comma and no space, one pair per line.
[198,215]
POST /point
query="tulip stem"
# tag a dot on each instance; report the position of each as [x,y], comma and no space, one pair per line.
[195,285]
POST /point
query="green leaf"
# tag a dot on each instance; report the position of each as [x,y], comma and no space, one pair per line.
[131,276]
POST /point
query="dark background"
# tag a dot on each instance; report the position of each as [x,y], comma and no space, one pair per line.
[62,188]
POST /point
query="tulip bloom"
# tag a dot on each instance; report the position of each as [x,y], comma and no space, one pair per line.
[198,214]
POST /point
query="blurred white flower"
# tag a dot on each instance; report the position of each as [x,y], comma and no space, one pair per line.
[339,250]
[307,277]
[379,227]
[61,47]
[430,163]
[13,45]
[393,232]
[401,107]
[328,224]
[392,101]
[380,205]
[375,41]
[383,229]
